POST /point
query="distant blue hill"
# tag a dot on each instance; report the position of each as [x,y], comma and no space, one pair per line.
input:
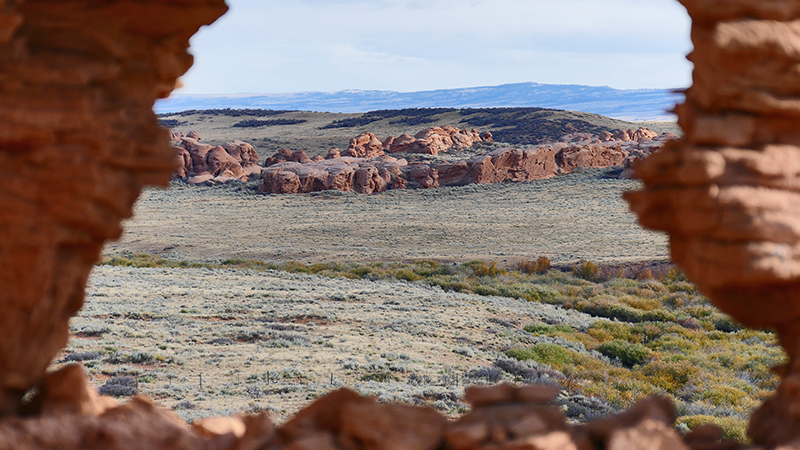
[631,104]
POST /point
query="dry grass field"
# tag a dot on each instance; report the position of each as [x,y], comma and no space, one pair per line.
[580,215]
[219,300]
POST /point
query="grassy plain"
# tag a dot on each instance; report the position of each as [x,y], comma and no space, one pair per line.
[218,300]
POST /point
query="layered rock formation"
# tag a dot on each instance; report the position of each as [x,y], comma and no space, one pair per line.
[78,80]
[434,140]
[294,172]
[206,164]
[728,193]
[365,146]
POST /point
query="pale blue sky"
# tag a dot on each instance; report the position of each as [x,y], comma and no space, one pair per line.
[275,46]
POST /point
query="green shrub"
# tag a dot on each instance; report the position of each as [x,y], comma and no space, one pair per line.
[408,275]
[546,353]
[543,328]
[380,377]
[628,353]
[733,428]
[669,375]
[722,395]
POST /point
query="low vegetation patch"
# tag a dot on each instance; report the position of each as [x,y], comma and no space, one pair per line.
[255,123]
[651,335]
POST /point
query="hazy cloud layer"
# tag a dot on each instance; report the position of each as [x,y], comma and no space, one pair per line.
[409,45]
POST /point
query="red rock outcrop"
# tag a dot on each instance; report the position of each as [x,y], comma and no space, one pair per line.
[512,164]
[285,155]
[435,140]
[78,80]
[365,146]
[202,163]
[590,155]
[243,152]
[500,165]
[728,192]
[343,174]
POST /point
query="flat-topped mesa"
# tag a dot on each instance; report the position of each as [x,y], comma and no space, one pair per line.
[729,193]
[78,80]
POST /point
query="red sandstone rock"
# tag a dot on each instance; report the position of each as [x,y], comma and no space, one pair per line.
[76,78]
[734,178]
[333,154]
[193,135]
[243,152]
[184,163]
[591,155]
[365,146]
[286,155]
[221,164]
[435,140]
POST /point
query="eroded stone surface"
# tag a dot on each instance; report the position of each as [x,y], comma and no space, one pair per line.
[289,172]
[728,192]
[78,80]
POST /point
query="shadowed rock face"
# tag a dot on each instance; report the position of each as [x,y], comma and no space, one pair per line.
[728,194]
[78,79]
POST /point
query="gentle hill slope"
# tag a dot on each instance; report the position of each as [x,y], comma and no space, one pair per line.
[317,132]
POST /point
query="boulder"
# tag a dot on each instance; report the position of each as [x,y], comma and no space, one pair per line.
[286,155]
[220,163]
[365,146]
[184,163]
[243,152]
[590,155]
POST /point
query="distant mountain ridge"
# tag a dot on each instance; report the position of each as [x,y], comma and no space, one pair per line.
[628,104]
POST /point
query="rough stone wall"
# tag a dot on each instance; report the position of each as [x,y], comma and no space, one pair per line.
[78,140]
[729,193]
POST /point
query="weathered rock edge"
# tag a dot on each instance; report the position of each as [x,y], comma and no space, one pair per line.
[728,194]
[78,141]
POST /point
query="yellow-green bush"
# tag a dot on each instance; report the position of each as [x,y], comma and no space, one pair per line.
[628,353]
[669,375]
[553,355]
[732,427]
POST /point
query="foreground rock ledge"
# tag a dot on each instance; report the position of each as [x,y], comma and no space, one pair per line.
[73,416]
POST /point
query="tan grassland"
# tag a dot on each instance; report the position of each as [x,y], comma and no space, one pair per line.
[580,215]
